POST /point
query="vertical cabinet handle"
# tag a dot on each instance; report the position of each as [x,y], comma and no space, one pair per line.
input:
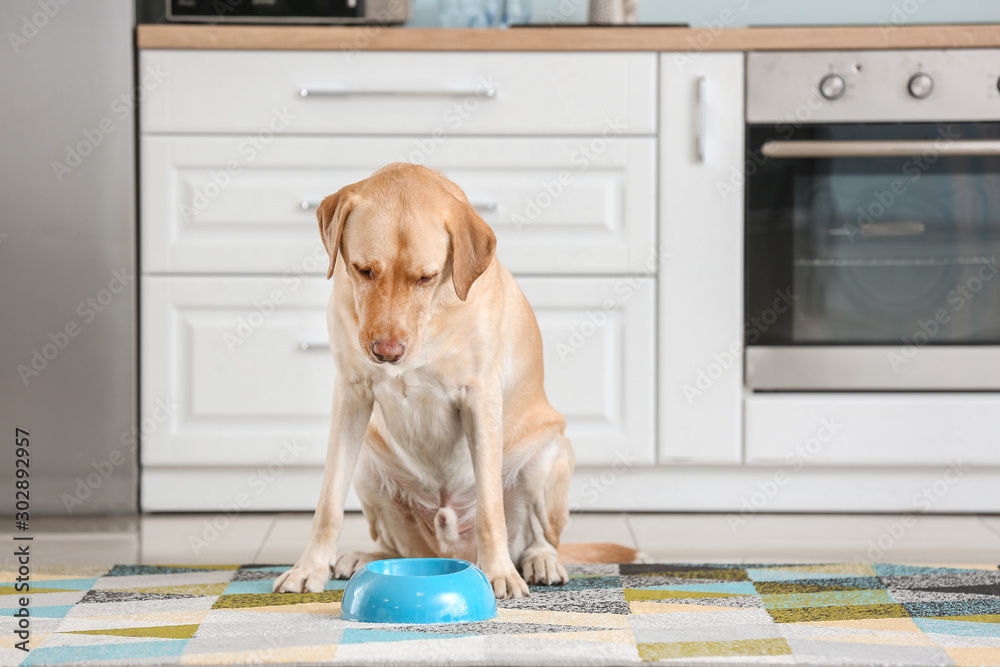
[701,136]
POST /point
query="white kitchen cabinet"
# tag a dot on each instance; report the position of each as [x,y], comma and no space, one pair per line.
[599,345]
[701,265]
[260,93]
[557,151]
[614,182]
[246,365]
[557,205]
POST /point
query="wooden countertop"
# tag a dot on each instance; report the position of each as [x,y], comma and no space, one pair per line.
[565,38]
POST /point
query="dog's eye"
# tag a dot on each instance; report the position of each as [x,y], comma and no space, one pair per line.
[364,273]
[425,280]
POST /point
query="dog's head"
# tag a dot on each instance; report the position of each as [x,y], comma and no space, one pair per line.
[410,240]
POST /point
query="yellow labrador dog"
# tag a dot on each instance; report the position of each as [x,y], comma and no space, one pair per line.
[439,412]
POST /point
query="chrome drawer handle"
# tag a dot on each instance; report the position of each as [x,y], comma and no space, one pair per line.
[485,205]
[309,345]
[488,93]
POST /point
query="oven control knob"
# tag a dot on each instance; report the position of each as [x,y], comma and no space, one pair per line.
[832,86]
[921,85]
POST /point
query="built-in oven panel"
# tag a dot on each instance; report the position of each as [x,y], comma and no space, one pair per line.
[810,87]
[904,367]
[873,235]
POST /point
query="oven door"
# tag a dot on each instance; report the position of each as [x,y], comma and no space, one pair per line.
[872,256]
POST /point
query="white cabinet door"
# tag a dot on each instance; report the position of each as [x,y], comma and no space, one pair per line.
[260,93]
[245,365]
[578,205]
[701,269]
[236,372]
[599,345]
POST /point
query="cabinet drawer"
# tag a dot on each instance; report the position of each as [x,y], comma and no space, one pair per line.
[399,93]
[244,363]
[553,210]
[227,354]
[873,429]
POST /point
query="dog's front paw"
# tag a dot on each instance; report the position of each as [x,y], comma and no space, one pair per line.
[304,578]
[544,569]
[350,563]
[507,584]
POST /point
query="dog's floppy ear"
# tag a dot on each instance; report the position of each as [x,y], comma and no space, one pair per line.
[331,215]
[472,247]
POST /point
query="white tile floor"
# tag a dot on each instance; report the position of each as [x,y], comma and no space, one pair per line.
[279,538]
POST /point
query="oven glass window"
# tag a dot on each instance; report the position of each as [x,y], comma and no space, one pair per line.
[873,249]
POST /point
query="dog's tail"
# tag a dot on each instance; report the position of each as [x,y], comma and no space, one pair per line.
[597,552]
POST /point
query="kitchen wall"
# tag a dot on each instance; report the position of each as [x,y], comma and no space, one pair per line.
[734,13]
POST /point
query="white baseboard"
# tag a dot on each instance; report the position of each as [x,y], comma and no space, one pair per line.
[746,489]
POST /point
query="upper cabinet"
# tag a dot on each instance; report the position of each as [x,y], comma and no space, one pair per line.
[434,94]
[701,249]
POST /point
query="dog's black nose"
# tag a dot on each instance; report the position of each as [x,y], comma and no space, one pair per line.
[388,350]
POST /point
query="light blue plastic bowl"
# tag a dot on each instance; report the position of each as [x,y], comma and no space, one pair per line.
[418,590]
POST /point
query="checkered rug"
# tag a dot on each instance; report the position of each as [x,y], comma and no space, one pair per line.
[844,614]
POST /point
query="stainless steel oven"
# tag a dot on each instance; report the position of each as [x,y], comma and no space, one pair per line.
[873,220]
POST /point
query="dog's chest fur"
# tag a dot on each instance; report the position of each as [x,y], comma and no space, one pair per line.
[426,447]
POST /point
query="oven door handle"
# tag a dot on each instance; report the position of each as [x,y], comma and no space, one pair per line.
[821,149]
